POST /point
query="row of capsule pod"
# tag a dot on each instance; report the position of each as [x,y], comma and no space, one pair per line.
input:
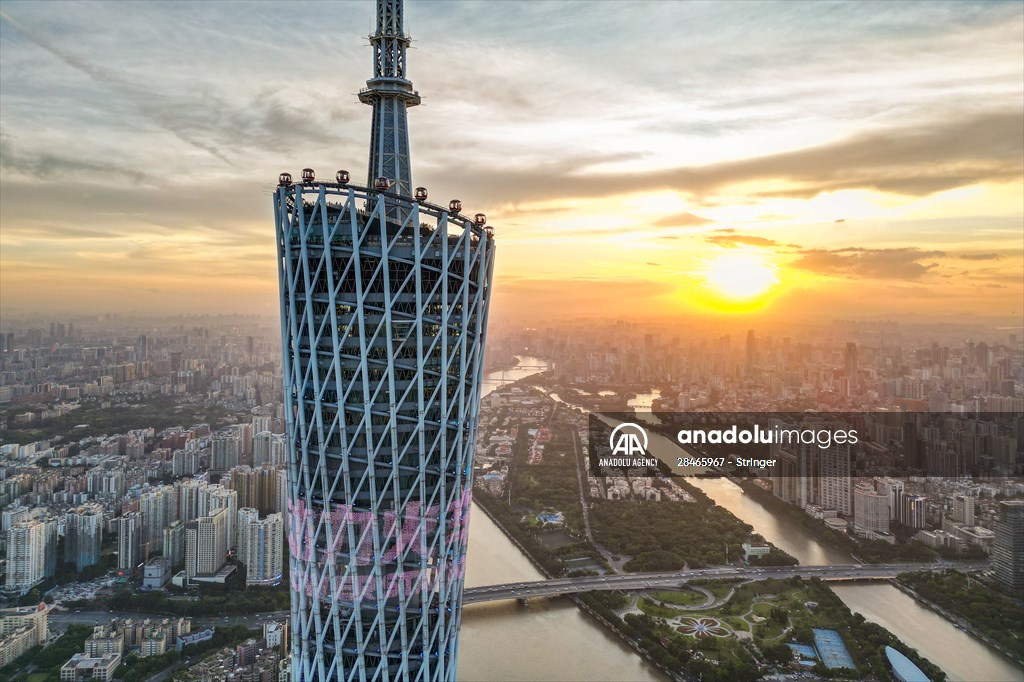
[380,184]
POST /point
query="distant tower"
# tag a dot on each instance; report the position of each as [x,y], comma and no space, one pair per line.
[384,300]
[391,94]
[852,367]
[751,351]
[1008,548]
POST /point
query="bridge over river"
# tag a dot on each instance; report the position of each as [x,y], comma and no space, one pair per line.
[643,581]
[62,617]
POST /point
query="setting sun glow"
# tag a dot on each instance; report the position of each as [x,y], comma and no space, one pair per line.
[740,276]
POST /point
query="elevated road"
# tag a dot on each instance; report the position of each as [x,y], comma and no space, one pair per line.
[60,619]
[643,581]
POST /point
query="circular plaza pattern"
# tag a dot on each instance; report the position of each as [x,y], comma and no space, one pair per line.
[702,627]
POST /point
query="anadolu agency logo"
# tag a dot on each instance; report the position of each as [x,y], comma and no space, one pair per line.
[628,440]
[628,443]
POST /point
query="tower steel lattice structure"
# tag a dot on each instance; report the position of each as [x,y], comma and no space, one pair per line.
[384,301]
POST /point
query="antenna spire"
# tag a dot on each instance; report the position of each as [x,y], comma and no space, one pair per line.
[390,94]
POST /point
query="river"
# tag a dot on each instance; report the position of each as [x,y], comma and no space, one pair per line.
[552,640]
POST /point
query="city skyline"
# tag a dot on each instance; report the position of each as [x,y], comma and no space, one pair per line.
[140,417]
[753,167]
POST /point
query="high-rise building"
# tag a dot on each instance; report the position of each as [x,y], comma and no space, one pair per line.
[206,544]
[852,367]
[242,479]
[1008,546]
[174,543]
[257,488]
[246,516]
[892,488]
[184,463]
[261,423]
[913,510]
[870,510]
[245,434]
[83,534]
[264,549]
[159,507]
[384,300]
[795,479]
[269,448]
[963,509]
[751,359]
[13,515]
[225,452]
[26,556]
[222,498]
[129,541]
[51,526]
[834,486]
[189,491]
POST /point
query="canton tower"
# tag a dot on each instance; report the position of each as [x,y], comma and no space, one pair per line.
[384,299]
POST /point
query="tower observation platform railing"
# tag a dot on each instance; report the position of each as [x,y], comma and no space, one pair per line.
[355,193]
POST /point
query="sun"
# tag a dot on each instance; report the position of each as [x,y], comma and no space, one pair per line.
[740,276]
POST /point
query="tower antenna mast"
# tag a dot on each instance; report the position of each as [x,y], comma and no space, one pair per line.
[390,94]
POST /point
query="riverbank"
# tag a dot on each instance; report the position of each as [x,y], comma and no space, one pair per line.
[483,502]
[502,366]
[960,622]
[868,552]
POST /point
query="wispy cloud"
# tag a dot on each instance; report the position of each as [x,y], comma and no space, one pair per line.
[734,240]
[685,219]
[912,160]
[899,264]
[980,256]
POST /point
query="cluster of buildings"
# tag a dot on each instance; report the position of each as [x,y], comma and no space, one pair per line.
[21,629]
[178,499]
[501,413]
[944,514]
[109,644]
[648,488]
[105,359]
[254,660]
[847,365]
[894,376]
[190,523]
[539,438]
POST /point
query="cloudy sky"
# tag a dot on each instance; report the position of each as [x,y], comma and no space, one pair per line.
[667,157]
